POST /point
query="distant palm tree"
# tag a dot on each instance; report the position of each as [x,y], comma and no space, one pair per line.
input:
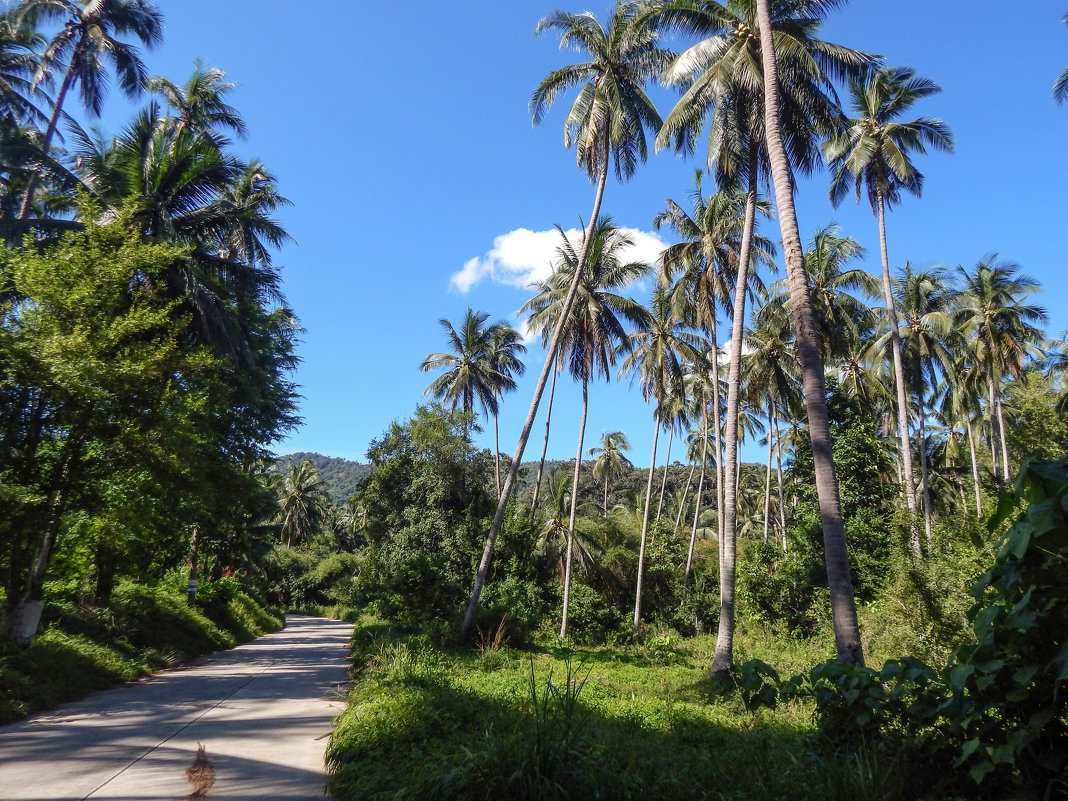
[607,121]
[873,149]
[657,354]
[302,501]
[82,47]
[1001,331]
[199,103]
[470,373]
[611,460]
[505,346]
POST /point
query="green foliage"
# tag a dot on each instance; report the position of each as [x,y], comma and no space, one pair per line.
[427,505]
[341,476]
[999,710]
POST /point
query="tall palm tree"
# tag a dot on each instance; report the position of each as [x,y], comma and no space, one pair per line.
[1002,332]
[724,73]
[83,47]
[607,122]
[657,355]
[470,374]
[611,460]
[874,149]
[594,328]
[836,557]
[302,501]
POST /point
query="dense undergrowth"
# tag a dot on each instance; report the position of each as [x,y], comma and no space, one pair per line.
[611,722]
[143,629]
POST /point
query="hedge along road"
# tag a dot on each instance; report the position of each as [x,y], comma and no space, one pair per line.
[249,723]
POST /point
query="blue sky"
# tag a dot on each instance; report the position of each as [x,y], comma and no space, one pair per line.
[401,134]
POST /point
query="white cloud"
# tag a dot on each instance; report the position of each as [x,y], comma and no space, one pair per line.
[522,256]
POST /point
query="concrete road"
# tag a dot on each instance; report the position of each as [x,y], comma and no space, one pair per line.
[262,712]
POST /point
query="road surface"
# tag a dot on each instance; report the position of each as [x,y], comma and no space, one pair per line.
[260,714]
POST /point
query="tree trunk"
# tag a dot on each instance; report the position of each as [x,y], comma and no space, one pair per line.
[645,526]
[717,433]
[843,606]
[685,494]
[46,145]
[723,660]
[782,498]
[194,567]
[605,515]
[924,475]
[700,492]
[767,474]
[1006,471]
[667,466]
[524,435]
[975,466]
[544,444]
[574,507]
[991,410]
[908,483]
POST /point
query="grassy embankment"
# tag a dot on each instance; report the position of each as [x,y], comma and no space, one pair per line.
[612,722]
[142,629]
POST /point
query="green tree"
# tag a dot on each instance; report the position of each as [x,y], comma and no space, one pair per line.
[302,502]
[199,104]
[611,460]
[607,122]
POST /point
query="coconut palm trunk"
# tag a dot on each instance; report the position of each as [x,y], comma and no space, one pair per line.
[46,144]
[925,481]
[545,442]
[700,494]
[645,526]
[836,557]
[685,494]
[723,660]
[975,466]
[663,481]
[574,507]
[782,499]
[1004,443]
[908,483]
[539,389]
[767,473]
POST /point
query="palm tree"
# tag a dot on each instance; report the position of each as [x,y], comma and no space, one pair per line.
[722,73]
[83,46]
[594,329]
[607,122]
[611,460]
[470,374]
[836,557]
[657,354]
[873,149]
[199,104]
[302,501]
[1001,331]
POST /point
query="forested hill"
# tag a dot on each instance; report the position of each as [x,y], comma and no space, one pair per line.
[340,475]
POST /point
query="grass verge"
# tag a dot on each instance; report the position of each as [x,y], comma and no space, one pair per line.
[142,630]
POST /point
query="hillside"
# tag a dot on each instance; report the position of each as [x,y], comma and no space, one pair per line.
[340,475]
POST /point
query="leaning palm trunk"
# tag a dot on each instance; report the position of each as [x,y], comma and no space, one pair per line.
[46,144]
[724,657]
[907,483]
[782,500]
[524,434]
[663,481]
[700,493]
[843,605]
[545,443]
[975,466]
[574,507]
[685,495]
[645,526]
